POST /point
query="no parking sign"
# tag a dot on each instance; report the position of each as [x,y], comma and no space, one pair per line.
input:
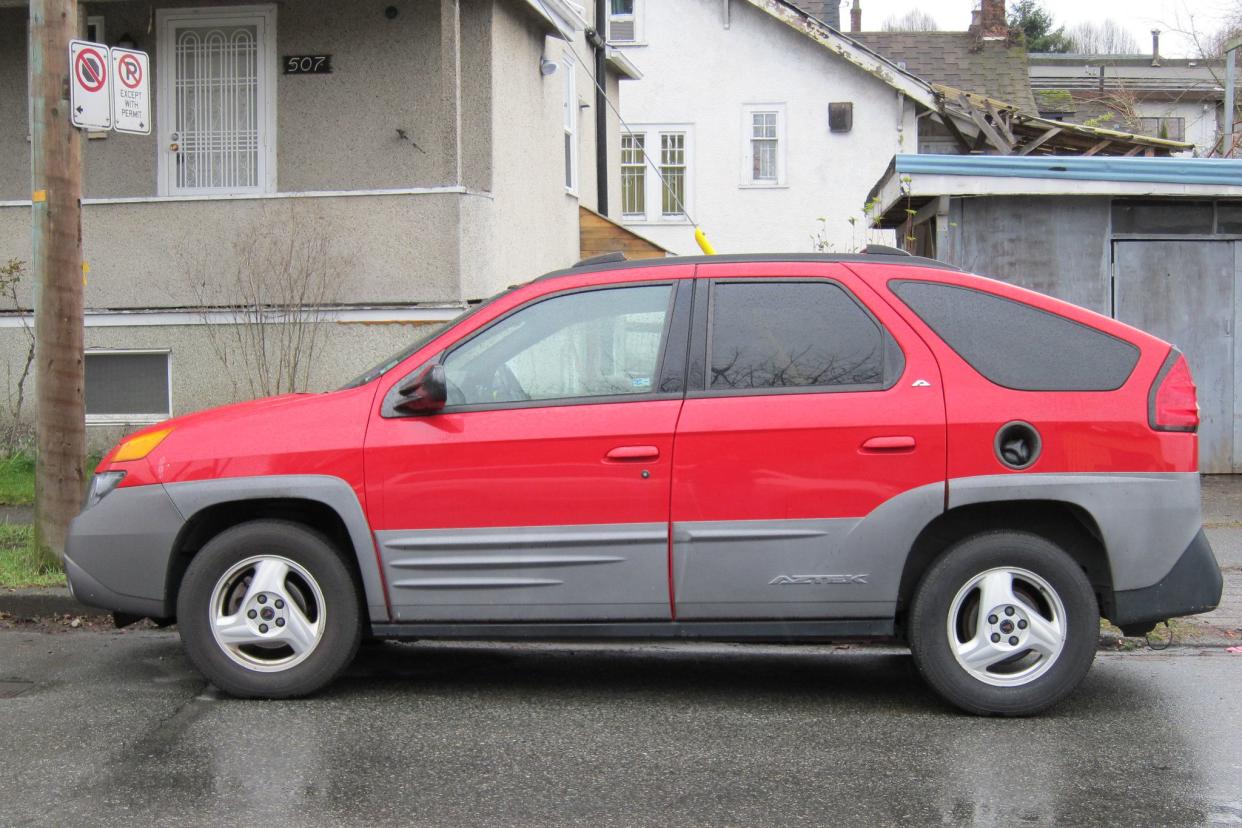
[90,103]
[131,92]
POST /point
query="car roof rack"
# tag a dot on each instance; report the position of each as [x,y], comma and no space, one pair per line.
[884,250]
[602,259]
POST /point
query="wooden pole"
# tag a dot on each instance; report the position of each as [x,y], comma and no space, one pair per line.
[56,217]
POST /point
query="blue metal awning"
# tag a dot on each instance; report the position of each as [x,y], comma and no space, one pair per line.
[1222,171]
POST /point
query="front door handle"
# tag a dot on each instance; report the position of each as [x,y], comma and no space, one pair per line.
[895,443]
[633,453]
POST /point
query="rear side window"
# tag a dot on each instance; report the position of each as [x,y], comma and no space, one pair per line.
[1019,346]
[773,335]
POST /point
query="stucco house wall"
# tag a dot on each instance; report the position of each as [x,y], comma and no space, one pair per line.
[479,204]
[757,60]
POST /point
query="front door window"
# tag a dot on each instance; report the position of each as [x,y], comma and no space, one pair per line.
[600,343]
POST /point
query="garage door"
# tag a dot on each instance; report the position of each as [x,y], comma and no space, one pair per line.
[1184,292]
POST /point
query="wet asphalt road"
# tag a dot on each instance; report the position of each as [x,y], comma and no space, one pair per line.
[117,729]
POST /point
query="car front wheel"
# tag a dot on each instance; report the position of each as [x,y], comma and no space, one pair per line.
[268,609]
[1004,623]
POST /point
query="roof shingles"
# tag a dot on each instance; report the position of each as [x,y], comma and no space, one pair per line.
[993,68]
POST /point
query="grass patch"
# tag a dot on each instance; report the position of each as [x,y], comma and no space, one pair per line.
[17,474]
[18,565]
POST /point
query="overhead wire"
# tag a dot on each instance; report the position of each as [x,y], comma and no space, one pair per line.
[626,127]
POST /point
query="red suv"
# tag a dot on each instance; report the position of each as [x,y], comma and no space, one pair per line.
[734,448]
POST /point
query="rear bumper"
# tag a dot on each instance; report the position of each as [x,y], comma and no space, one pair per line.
[1192,586]
[117,552]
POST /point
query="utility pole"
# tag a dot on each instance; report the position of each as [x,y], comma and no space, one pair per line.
[56,219]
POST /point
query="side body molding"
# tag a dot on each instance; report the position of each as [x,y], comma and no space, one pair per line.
[192,497]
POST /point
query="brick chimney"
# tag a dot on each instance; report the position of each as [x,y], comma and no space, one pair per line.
[856,16]
[990,23]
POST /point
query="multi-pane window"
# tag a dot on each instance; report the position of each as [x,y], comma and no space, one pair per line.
[623,21]
[633,175]
[763,146]
[127,386]
[673,172]
[657,172]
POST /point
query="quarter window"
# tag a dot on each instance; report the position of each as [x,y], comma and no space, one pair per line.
[599,343]
[1018,346]
[792,335]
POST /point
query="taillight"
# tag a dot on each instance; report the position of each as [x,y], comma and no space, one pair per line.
[1173,404]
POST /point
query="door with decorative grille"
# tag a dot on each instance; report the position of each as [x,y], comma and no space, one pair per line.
[216,96]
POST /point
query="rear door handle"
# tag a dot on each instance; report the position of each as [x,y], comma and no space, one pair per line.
[634,453]
[895,443]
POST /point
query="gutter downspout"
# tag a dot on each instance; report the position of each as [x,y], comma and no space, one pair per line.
[599,44]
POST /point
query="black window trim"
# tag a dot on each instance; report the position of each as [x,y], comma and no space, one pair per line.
[704,311]
[675,314]
[893,284]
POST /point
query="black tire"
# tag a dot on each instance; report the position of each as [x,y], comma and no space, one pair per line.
[970,559]
[341,630]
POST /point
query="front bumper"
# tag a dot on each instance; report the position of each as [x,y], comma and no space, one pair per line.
[1192,586]
[118,551]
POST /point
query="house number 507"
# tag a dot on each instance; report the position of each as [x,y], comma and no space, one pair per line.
[308,64]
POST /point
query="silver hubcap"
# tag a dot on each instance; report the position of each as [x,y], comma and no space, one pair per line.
[1006,626]
[267,613]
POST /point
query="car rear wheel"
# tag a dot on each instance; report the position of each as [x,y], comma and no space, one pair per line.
[269,609]
[1004,623]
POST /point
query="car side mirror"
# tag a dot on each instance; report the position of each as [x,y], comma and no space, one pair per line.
[426,393]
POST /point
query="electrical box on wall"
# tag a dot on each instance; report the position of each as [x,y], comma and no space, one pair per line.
[841,116]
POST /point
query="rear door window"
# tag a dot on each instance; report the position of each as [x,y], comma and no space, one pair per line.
[1016,345]
[782,335]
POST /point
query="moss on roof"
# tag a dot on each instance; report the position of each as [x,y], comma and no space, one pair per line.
[1058,101]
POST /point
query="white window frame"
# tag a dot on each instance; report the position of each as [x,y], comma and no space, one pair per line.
[165,21]
[637,17]
[653,198]
[748,180]
[142,418]
[570,123]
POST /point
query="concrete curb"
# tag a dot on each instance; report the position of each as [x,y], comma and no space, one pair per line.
[44,603]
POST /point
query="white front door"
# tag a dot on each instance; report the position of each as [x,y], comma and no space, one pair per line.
[217,110]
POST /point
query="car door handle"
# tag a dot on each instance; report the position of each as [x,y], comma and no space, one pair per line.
[895,443]
[633,453]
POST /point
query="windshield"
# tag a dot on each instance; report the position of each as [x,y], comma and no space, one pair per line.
[396,359]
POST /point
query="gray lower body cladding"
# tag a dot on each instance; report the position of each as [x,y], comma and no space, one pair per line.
[117,551]
[529,573]
[1192,586]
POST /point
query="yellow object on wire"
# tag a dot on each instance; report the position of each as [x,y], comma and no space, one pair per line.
[704,244]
